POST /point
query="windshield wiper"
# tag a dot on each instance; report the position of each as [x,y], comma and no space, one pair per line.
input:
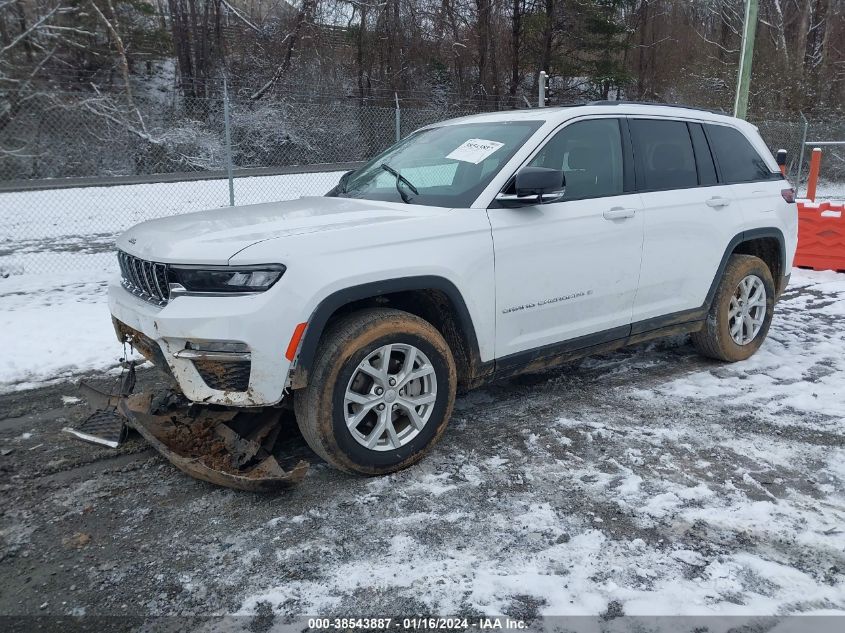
[400,178]
[343,183]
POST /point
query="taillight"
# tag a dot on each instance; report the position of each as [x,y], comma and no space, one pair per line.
[788,195]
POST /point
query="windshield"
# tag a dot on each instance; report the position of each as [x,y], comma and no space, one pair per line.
[446,166]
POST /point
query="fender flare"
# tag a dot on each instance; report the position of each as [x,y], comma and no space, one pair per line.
[333,302]
[745,236]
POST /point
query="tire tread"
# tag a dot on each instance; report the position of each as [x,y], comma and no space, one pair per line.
[335,344]
[710,340]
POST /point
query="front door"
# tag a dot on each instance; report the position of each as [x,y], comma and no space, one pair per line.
[567,272]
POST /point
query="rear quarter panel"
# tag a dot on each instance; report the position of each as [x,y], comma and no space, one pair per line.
[764,207]
[762,202]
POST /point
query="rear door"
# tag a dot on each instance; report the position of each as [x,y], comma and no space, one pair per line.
[689,219]
[755,186]
[567,271]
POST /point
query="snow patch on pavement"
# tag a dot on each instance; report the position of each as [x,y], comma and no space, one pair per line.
[799,368]
[830,190]
[670,485]
[53,327]
[711,491]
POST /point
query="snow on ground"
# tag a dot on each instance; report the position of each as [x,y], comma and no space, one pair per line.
[645,482]
[53,327]
[829,190]
[766,382]
[712,489]
[648,481]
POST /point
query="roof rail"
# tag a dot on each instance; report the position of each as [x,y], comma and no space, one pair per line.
[655,103]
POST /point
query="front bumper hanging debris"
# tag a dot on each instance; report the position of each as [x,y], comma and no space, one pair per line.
[105,425]
[224,446]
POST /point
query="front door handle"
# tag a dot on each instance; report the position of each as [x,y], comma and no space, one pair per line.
[717,203]
[619,213]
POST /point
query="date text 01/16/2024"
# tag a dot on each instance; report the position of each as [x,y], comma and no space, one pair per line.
[417,624]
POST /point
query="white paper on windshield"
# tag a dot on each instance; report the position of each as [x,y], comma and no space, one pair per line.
[474,150]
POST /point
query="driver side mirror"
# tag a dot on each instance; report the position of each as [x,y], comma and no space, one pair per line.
[535,185]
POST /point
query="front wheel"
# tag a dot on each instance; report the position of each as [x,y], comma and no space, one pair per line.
[380,394]
[741,313]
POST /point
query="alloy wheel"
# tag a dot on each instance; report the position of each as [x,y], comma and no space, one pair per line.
[390,397]
[747,310]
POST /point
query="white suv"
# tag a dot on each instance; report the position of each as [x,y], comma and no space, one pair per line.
[474,249]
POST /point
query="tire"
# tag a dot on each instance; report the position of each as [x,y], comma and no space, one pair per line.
[716,339]
[348,365]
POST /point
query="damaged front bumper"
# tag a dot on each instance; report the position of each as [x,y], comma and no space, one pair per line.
[171,336]
[207,448]
[228,447]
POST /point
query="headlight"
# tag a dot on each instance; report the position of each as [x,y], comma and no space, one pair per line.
[225,279]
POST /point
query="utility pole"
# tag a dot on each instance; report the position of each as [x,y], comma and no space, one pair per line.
[749,33]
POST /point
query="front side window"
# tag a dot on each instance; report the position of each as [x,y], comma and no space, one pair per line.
[447,166]
[664,156]
[590,155]
[738,160]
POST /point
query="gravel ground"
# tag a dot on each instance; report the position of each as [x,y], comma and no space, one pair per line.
[644,482]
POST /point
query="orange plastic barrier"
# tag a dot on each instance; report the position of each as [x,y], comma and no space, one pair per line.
[821,236]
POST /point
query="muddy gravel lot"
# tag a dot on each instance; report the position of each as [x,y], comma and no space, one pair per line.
[644,482]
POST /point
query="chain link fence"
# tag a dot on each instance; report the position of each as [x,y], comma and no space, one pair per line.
[76,170]
[796,137]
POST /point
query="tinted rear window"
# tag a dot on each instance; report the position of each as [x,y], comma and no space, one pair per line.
[737,158]
[663,151]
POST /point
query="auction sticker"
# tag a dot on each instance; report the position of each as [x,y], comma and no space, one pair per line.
[474,150]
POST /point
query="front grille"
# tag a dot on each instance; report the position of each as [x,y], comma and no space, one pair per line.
[224,375]
[147,280]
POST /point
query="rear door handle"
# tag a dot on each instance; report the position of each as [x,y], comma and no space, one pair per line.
[619,213]
[716,202]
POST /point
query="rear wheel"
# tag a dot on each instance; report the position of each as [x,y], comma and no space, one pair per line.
[380,393]
[741,313]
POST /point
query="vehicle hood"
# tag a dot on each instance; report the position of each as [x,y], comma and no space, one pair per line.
[214,236]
